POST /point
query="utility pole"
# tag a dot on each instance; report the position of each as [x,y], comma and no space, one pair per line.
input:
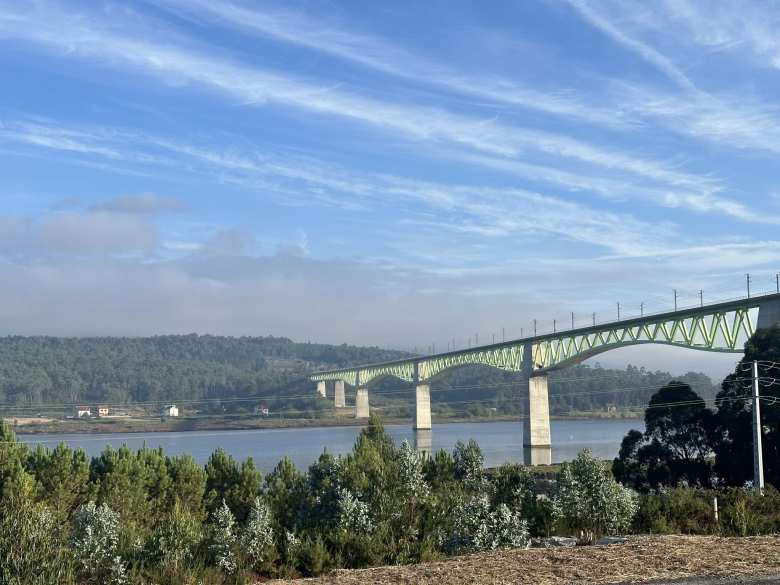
[701,298]
[675,299]
[747,280]
[758,455]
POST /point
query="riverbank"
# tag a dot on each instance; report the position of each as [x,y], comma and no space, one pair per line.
[227,423]
[641,559]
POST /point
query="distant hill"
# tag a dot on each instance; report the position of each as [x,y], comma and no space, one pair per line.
[214,374]
[47,370]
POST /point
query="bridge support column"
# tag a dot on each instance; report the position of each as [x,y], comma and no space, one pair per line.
[361,403]
[768,314]
[321,388]
[537,448]
[423,441]
[339,401]
[422,408]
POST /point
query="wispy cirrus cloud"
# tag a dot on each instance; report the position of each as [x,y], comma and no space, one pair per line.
[379,55]
[488,210]
[88,38]
[745,28]
[598,15]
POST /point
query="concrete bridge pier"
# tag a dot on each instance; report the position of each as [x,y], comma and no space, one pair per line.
[422,408]
[361,403]
[339,400]
[321,388]
[423,441]
[537,446]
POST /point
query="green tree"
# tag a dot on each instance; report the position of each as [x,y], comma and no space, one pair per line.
[676,446]
[235,484]
[63,476]
[734,447]
[32,547]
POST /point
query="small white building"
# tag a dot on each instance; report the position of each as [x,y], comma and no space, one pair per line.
[102,411]
[83,412]
[170,411]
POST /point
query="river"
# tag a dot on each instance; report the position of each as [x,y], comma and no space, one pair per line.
[500,441]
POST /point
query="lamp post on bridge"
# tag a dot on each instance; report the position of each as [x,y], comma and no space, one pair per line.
[642,309]
[675,299]
[618,307]
[534,327]
[572,319]
[594,319]
[554,326]
[701,298]
[747,281]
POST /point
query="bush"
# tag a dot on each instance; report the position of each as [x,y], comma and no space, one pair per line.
[32,551]
[95,543]
[479,528]
[257,538]
[223,540]
[690,511]
[587,499]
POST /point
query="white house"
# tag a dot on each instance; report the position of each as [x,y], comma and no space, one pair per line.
[83,412]
[170,411]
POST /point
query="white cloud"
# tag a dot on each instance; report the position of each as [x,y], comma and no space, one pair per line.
[80,36]
[379,55]
[73,233]
[601,19]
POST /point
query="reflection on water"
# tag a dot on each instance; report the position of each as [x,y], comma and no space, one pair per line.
[500,441]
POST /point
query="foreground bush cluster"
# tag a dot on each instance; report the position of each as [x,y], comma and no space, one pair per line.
[144,517]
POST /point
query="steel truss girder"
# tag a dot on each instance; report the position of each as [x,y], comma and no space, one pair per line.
[718,331]
[721,328]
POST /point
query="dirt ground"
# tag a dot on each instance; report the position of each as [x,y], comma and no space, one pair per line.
[643,558]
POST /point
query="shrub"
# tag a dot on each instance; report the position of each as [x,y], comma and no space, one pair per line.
[222,540]
[257,538]
[173,544]
[31,549]
[95,543]
[587,499]
[478,528]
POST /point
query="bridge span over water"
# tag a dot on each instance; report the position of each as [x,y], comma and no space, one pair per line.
[718,327]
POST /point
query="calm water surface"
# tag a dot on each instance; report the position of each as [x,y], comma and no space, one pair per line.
[500,441]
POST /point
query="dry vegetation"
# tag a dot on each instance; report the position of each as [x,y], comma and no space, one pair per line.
[641,559]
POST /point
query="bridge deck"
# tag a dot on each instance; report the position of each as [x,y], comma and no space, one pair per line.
[719,326]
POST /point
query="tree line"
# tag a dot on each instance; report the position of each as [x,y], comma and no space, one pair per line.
[38,372]
[687,443]
[144,517]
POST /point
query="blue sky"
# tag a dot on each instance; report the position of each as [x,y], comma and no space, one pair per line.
[390,173]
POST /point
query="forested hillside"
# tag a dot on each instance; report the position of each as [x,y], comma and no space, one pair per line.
[43,370]
[211,372]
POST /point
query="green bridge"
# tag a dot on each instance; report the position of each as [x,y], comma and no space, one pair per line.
[719,327]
